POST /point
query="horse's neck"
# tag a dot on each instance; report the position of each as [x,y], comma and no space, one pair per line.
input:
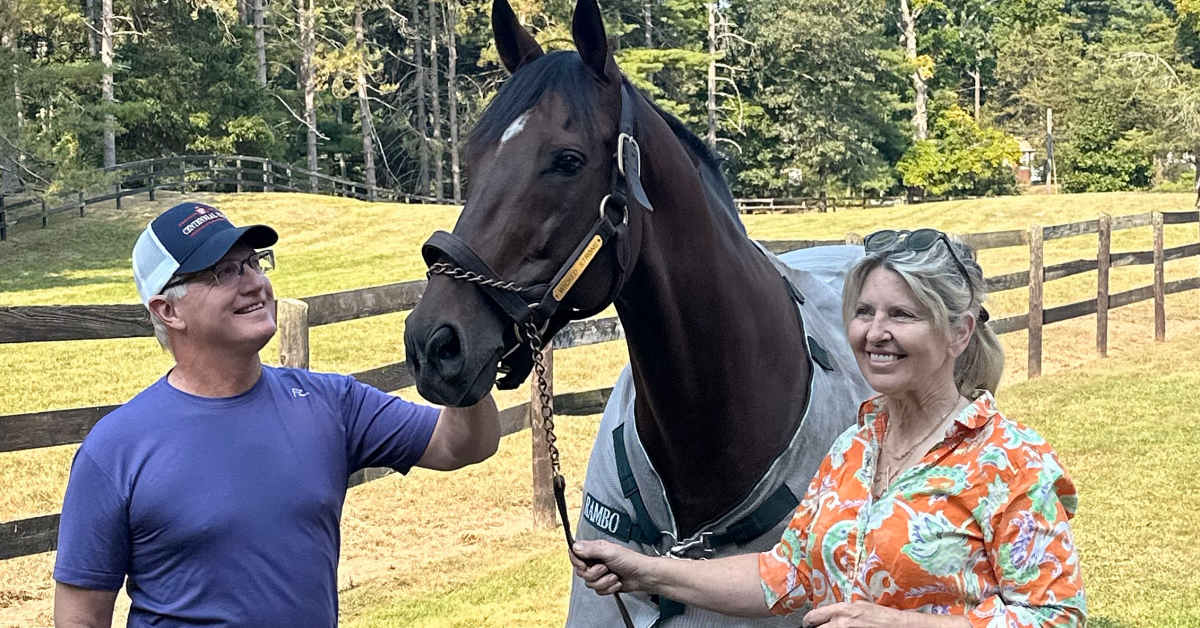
[717,353]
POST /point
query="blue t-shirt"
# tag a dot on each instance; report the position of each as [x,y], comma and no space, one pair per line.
[226,511]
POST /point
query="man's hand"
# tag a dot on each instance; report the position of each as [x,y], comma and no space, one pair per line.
[463,436]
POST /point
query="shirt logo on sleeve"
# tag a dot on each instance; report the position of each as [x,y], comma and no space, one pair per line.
[298,393]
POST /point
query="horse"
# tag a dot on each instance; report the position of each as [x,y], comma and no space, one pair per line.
[584,193]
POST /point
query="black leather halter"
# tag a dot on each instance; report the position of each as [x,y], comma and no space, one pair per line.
[537,306]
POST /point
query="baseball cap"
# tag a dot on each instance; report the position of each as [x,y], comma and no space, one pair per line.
[187,238]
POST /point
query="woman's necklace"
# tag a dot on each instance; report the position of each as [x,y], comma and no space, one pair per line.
[894,464]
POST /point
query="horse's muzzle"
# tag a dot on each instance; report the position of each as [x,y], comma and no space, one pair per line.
[450,366]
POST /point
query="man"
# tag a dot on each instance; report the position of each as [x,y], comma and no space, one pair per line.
[218,490]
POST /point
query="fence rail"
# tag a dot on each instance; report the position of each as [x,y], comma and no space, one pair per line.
[64,427]
[246,173]
[185,173]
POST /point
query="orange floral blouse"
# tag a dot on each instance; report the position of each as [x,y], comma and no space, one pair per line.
[977,528]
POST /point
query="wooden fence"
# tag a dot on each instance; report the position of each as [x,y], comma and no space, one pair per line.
[792,205]
[244,173]
[187,173]
[296,316]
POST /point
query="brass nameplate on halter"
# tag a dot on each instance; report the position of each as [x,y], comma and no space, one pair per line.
[580,265]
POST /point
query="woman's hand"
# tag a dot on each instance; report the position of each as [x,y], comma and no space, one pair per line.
[607,568]
[867,615]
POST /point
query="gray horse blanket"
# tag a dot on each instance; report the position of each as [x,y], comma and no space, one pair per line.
[836,391]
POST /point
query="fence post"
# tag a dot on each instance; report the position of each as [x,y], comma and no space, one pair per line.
[1103,263]
[543,491]
[3,220]
[292,315]
[267,176]
[1160,305]
[81,205]
[1036,277]
[183,182]
[153,168]
[117,191]
[44,215]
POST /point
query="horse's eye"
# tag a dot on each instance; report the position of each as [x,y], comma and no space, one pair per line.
[567,162]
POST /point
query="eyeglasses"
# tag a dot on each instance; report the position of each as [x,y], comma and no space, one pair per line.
[228,271]
[919,240]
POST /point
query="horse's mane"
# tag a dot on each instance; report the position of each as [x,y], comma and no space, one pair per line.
[710,172]
[564,73]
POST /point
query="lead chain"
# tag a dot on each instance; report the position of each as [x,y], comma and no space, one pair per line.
[545,400]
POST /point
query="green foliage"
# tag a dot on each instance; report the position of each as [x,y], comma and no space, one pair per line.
[961,158]
[686,67]
[823,112]
[1105,154]
[811,96]
[210,100]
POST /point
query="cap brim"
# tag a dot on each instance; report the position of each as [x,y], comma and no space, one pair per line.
[211,252]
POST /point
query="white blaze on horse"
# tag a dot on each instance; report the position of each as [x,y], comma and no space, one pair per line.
[740,376]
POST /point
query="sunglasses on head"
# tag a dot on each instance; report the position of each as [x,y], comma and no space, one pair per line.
[919,240]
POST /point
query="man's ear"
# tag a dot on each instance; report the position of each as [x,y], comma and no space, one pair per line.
[164,310]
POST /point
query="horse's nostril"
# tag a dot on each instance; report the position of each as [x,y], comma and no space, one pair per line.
[448,349]
[444,352]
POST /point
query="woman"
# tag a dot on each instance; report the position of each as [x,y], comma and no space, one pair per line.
[933,509]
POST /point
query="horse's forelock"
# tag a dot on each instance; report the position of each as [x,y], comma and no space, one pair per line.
[562,73]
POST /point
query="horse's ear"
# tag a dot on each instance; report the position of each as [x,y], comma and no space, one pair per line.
[587,27]
[515,45]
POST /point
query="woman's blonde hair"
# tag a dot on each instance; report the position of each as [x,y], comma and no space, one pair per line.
[940,287]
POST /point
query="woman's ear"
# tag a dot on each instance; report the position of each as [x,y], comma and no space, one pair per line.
[960,334]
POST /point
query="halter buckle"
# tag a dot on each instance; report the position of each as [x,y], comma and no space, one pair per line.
[625,140]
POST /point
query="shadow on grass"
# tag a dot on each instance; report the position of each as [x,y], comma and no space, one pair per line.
[38,259]
[1105,622]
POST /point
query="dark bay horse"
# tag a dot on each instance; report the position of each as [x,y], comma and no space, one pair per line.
[719,351]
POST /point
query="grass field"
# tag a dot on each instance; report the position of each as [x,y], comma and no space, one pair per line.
[472,559]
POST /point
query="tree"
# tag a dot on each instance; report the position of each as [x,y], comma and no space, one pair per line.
[921,66]
[439,190]
[962,158]
[366,121]
[106,82]
[1106,152]
[451,23]
[306,16]
[422,125]
[260,42]
[820,107]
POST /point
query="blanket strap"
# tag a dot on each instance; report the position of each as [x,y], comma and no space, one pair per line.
[643,531]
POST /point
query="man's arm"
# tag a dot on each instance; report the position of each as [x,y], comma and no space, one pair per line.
[75,607]
[463,436]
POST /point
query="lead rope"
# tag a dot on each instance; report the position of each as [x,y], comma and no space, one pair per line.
[545,402]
